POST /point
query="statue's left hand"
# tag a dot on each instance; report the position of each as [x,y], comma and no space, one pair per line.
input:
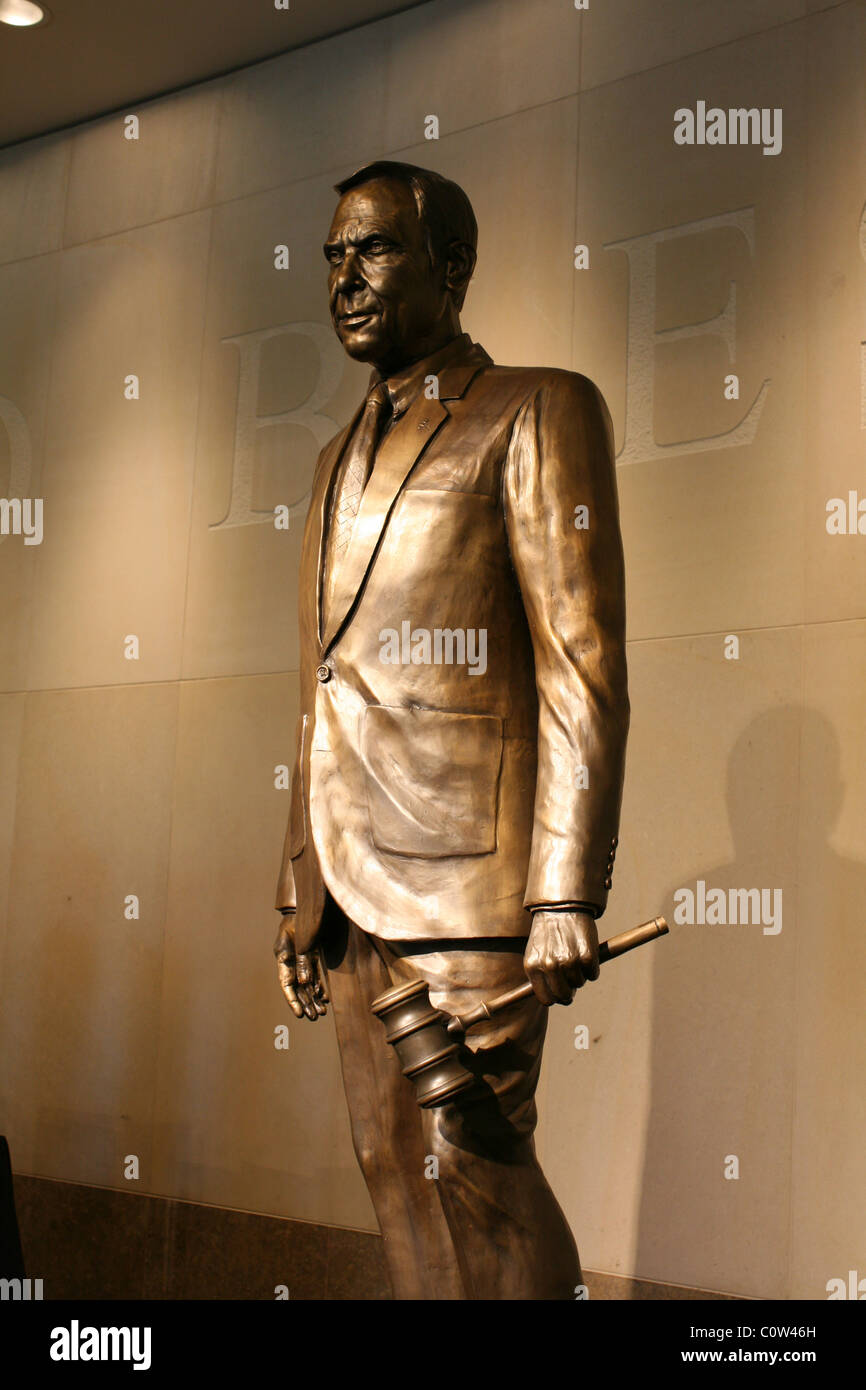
[561,954]
[302,976]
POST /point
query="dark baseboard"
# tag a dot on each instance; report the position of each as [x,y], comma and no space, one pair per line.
[99,1243]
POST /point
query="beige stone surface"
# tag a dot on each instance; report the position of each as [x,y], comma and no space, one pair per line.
[33,177]
[692,1038]
[118,473]
[627,36]
[712,519]
[829,1168]
[470,64]
[116,182]
[835,313]
[11,719]
[79,1021]
[28,292]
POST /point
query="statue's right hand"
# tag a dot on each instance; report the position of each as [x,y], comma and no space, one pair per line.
[302,977]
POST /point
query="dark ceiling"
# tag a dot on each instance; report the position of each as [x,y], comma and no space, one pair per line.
[94,56]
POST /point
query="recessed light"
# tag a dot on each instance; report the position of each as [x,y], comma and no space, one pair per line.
[21,13]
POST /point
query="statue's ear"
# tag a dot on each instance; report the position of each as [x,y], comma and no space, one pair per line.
[461,264]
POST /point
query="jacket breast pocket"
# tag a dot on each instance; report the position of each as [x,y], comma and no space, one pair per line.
[432,780]
[297,832]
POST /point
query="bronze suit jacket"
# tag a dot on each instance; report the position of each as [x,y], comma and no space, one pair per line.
[436,792]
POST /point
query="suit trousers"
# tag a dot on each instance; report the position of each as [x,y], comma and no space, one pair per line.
[482,1222]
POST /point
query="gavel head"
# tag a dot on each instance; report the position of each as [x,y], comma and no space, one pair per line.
[417,1032]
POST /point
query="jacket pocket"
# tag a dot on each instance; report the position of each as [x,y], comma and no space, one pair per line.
[296,834]
[432,780]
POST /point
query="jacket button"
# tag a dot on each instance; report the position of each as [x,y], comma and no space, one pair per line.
[323,673]
[614,842]
[608,883]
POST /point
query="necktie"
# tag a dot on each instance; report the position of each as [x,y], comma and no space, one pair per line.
[356,469]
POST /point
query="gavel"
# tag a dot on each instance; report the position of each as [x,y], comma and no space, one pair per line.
[422,1036]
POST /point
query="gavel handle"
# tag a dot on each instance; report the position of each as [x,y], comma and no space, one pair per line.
[608,950]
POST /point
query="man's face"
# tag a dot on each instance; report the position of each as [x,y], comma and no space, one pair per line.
[388,305]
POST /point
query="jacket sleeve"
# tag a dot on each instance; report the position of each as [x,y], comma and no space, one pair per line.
[569,566]
[287,900]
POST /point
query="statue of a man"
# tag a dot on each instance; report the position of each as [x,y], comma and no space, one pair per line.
[461,744]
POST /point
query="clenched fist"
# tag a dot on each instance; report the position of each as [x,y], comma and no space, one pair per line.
[561,954]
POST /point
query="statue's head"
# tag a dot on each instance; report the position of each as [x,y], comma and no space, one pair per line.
[401,251]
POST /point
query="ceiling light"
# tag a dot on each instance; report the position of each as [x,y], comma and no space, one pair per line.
[21,13]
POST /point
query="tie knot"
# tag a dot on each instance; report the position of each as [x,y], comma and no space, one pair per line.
[378,399]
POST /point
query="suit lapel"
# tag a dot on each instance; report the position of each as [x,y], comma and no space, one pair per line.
[319,503]
[395,459]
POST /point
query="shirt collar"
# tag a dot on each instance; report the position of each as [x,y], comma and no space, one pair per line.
[404,386]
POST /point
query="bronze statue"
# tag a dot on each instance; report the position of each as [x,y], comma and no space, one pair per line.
[461,745]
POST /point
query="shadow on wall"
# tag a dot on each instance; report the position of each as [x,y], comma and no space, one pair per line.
[756,1025]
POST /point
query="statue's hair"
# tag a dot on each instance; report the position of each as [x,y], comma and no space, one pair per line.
[444,211]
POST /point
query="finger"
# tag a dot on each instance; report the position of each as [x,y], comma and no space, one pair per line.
[312,984]
[283,946]
[575,975]
[286,976]
[587,950]
[294,1003]
[287,986]
[589,964]
[322,982]
[563,981]
[561,970]
[312,996]
[305,995]
[286,973]
[538,979]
